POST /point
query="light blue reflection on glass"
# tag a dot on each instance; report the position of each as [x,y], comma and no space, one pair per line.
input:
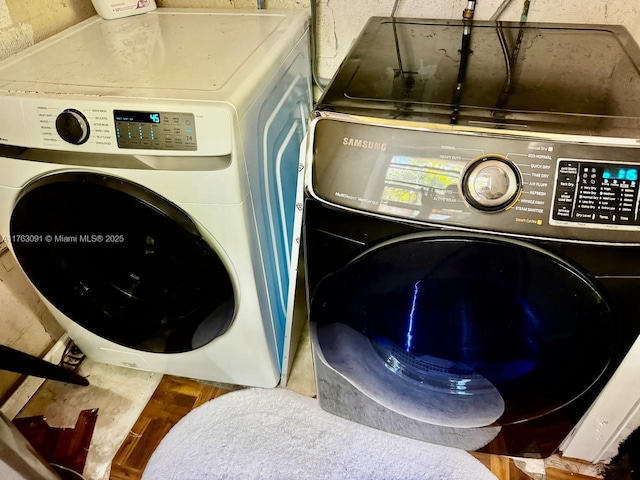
[412,313]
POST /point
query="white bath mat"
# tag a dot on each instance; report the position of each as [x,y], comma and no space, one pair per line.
[279,434]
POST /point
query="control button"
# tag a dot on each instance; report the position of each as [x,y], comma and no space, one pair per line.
[146,143]
[156,144]
[73,126]
[567,183]
[564,197]
[568,169]
[491,183]
[584,215]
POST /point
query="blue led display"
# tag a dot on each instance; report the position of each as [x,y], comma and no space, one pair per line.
[630,174]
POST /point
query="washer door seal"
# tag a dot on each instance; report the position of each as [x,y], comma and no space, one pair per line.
[122,262]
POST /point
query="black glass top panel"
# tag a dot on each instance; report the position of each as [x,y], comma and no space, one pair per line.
[497,71]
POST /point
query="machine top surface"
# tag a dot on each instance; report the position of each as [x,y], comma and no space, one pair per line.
[557,78]
[167,49]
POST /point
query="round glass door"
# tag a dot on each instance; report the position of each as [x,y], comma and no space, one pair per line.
[122,262]
[469,324]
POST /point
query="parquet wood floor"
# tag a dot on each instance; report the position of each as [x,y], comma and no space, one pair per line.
[505,469]
[172,400]
[175,397]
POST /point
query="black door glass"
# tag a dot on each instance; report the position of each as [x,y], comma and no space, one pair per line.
[122,261]
[470,315]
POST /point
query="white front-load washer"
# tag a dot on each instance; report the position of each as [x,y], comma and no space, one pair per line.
[148,170]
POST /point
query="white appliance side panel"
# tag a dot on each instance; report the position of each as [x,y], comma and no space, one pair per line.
[212,124]
[272,132]
[610,418]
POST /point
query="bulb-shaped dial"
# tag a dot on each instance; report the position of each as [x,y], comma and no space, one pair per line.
[491,183]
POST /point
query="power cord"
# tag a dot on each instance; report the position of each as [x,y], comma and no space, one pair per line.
[395,7]
[499,10]
[75,475]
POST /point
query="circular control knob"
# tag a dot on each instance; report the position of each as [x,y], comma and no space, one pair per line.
[491,183]
[73,126]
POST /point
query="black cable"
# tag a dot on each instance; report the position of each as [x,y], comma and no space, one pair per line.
[518,44]
[395,7]
[398,54]
[510,59]
[500,9]
[465,52]
[525,11]
[505,53]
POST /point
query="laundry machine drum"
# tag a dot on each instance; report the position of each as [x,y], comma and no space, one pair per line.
[465,316]
[121,261]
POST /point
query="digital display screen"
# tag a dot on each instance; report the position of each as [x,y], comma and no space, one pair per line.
[137,117]
[615,173]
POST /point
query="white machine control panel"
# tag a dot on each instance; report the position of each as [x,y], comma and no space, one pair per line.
[73,124]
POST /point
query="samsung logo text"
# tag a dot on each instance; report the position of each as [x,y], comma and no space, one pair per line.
[369,144]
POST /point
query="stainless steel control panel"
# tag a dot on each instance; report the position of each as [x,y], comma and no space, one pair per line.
[152,130]
[494,182]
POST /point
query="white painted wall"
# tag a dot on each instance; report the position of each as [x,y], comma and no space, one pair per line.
[340,21]
[25,22]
